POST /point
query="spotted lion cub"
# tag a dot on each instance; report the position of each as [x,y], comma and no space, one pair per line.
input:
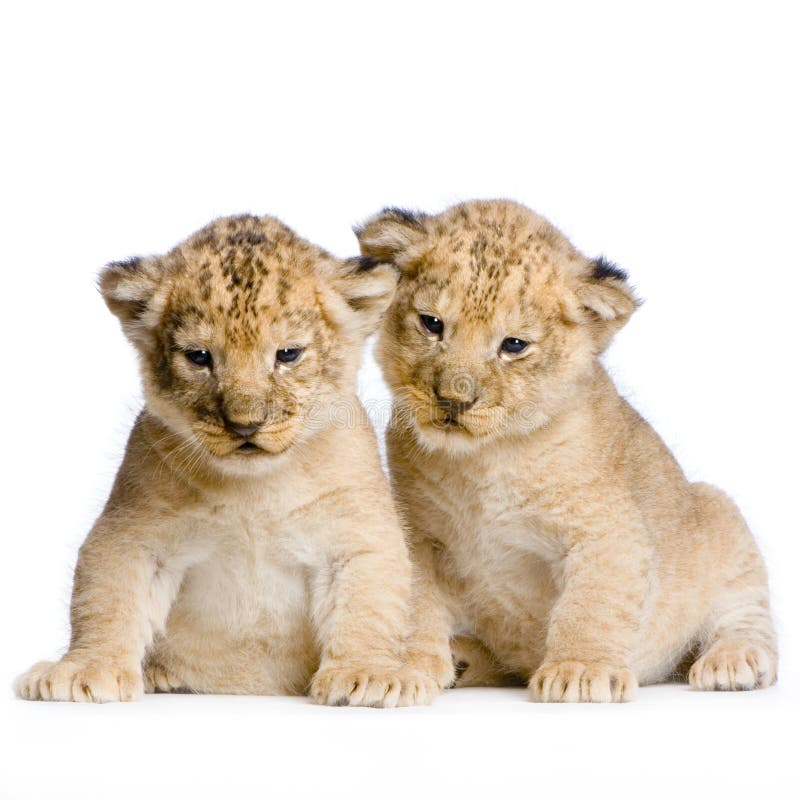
[551,526]
[250,544]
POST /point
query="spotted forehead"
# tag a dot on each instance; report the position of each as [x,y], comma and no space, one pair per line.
[490,263]
[246,276]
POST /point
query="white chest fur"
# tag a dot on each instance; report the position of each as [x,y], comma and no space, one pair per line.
[486,513]
[251,572]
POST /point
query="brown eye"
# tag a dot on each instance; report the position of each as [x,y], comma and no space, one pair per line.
[512,345]
[288,355]
[200,358]
[432,324]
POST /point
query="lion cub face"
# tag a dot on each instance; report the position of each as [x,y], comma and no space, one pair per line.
[246,334]
[496,321]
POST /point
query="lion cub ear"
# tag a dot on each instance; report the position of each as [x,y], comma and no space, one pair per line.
[130,289]
[367,285]
[604,299]
[390,234]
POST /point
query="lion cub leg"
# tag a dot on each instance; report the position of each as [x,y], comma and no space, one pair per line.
[362,614]
[428,645]
[120,596]
[594,624]
[738,649]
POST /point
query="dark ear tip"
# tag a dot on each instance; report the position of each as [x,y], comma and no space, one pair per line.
[603,269]
[363,263]
[116,272]
[127,265]
[404,215]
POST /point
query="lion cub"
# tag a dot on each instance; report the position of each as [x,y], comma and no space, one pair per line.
[250,544]
[550,524]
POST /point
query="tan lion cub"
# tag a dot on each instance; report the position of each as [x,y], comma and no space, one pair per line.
[549,521]
[249,544]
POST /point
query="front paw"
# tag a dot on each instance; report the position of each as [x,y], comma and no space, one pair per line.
[80,680]
[375,687]
[577,682]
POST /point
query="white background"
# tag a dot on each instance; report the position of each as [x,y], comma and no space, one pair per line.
[662,136]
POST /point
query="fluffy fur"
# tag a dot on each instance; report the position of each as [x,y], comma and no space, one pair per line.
[250,543]
[550,524]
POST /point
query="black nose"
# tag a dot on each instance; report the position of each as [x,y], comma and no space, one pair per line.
[244,429]
[454,405]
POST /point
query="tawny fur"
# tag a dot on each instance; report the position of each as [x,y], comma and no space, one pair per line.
[548,520]
[264,571]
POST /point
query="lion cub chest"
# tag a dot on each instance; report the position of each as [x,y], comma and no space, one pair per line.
[486,512]
[496,559]
[253,575]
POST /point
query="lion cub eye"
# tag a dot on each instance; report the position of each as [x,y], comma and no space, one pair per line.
[432,324]
[200,358]
[288,355]
[512,345]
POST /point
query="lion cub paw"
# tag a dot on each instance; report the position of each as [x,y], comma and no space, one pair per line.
[160,679]
[732,666]
[576,682]
[80,681]
[376,688]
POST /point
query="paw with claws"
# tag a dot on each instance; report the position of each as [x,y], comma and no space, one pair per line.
[159,679]
[577,682]
[733,666]
[81,681]
[339,685]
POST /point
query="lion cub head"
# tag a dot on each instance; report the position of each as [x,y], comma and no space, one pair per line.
[496,321]
[246,334]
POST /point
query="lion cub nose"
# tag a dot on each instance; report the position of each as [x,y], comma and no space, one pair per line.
[244,429]
[454,405]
